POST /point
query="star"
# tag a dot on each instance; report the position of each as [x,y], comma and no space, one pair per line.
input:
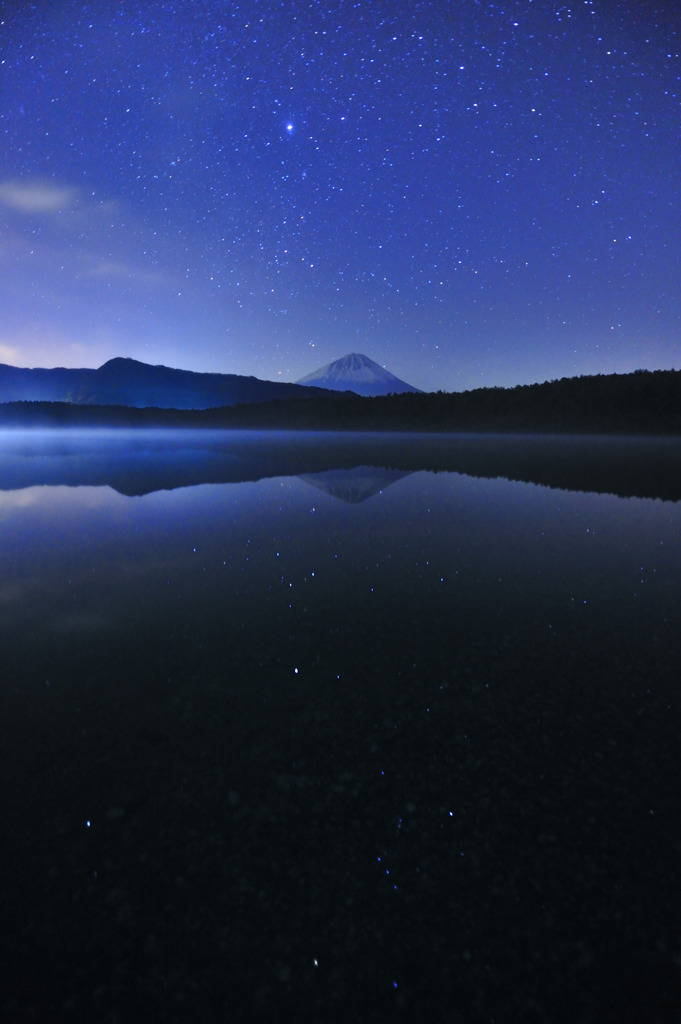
[463,189]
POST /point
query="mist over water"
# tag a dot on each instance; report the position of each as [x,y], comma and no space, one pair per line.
[369,738]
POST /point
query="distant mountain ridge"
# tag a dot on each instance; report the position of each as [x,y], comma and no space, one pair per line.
[356,372]
[641,403]
[123,381]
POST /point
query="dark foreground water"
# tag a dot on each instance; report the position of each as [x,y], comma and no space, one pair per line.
[365,743]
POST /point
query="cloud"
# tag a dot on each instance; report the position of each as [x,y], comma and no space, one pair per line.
[9,354]
[130,271]
[73,344]
[37,196]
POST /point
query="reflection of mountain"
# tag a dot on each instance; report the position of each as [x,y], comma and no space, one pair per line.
[140,461]
[354,485]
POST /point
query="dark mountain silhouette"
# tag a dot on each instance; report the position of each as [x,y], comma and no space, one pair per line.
[357,373]
[140,385]
[643,402]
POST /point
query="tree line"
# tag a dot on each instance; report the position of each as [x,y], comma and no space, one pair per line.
[643,402]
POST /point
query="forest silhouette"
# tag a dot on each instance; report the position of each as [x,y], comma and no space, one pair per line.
[644,402]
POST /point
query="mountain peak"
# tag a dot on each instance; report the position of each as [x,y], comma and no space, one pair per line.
[358,373]
[126,381]
[123,361]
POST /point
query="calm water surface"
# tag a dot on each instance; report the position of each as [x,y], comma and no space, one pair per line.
[366,742]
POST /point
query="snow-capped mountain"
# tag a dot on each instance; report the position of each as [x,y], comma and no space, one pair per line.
[357,373]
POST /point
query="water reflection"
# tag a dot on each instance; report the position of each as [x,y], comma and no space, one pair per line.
[140,461]
[283,753]
[354,485]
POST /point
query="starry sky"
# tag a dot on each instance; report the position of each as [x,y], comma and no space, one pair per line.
[470,193]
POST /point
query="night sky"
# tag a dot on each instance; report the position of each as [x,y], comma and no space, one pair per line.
[470,193]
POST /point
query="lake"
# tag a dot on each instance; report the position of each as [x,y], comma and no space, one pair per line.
[316,727]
